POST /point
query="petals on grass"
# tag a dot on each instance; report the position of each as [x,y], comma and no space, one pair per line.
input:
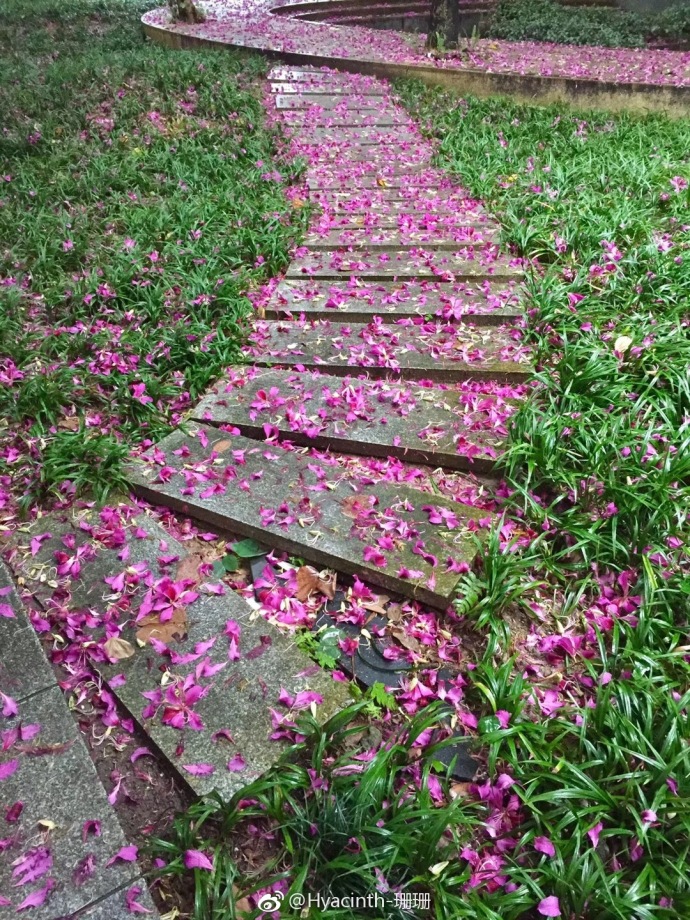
[195,859]
[549,907]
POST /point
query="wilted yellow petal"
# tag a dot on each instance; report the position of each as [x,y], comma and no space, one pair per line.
[622,343]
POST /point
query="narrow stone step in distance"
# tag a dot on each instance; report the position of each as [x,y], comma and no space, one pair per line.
[459,427]
[484,304]
[429,351]
[402,539]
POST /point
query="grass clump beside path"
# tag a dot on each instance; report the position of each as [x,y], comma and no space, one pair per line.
[140,198]
[599,465]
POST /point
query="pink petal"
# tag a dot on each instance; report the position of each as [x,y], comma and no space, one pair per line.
[237,764]
[7,612]
[593,833]
[199,769]
[9,706]
[8,768]
[37,897]
[126,854]
[549,907]
[544,845]
[195,859]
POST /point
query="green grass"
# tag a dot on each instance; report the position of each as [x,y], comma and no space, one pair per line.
[598,466]
[145,200]
[550,21]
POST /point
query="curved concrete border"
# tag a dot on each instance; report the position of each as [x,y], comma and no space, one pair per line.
[255,25]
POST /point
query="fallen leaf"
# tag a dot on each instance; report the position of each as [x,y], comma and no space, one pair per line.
[378,604]
[174,628]
[458,790]
[298,203]
[118,648]
[309,582]
[394,612]
[407,641]
[622,343]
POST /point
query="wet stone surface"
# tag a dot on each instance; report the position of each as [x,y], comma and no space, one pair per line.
[384,533]
[448,426]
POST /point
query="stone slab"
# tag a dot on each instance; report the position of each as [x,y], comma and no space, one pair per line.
[317,511]
[355,178]
[24,669]
[239,697]
[60,786]
[232,700]
[326,101]
[339,301]
[388,203]
[357,136]
[394,239]
[304,88]
[466,263]
[315,119]
[412,153]
[428,425]
[432,351]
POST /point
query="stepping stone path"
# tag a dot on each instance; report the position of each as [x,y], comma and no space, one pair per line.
[403,292]
[58,830]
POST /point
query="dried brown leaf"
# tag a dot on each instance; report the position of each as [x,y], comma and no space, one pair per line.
[310,582]
[118,648]
[174,628]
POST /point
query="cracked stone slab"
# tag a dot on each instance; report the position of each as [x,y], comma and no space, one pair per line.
[238,698]
[339,301]
[433,351]
[456,427]
[317,511]
[467,263]
[59,786]
[24,669]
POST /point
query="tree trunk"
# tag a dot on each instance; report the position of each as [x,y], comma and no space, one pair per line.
[444,24]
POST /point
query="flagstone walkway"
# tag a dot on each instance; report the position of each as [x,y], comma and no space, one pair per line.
[421,380]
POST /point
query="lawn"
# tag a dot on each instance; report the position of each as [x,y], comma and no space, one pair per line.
[141,200]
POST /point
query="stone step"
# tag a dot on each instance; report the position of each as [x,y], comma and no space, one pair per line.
[388,204]
[374,119]
[54,780]
[303,88]
[238,699]
[484,305]
[354,137]
[392,239]
[410,153]
[460,427]
[320,512]
[430,351]
[344,104]
[469,263]
[409,179]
